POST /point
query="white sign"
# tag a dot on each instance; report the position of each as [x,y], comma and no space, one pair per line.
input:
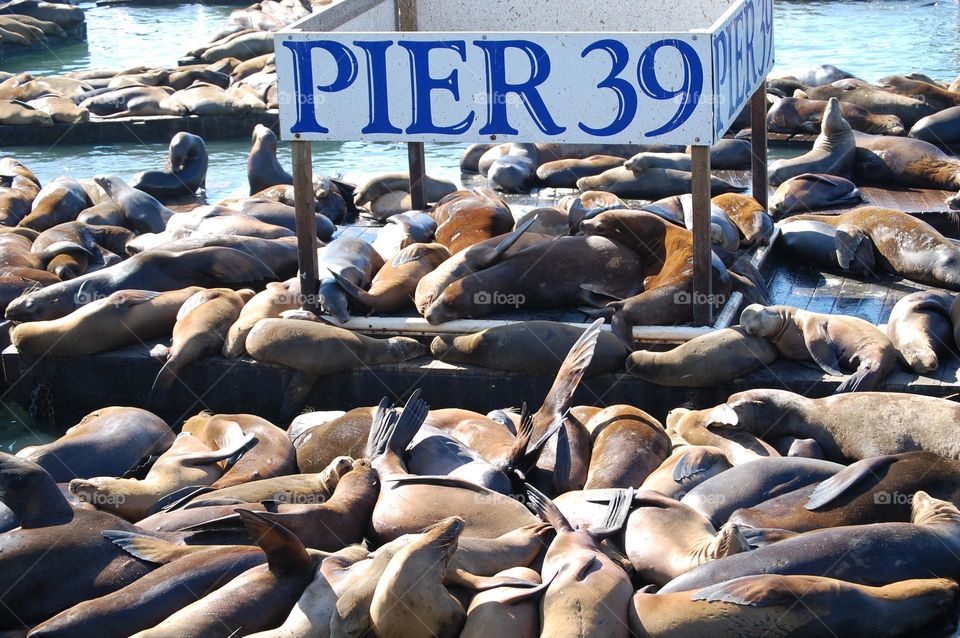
[614,88]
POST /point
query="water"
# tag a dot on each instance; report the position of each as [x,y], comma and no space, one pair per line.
[868,38]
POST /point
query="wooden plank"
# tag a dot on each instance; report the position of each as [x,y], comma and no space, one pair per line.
[758,143]
[304,205]
[407,15]
[702,284]
[418,169]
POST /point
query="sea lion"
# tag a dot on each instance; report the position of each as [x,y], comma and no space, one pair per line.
[833,342]
[811,192]
[134,101]
[273,456]
[874,490]
[184,174]
[19,113]
[906,162]
[123,318]
[351,259]
[936,96]
[515,170]
[586,205]
[347,434]
[843,424]
[547,220]
[797,115]
[705,361]
[279,214]
[873,99]
[530,347]
[903,245]
[107,442]
[833,152]
[143,213]
[470,158]
[941,129]
[70,249]
[201,329]
[753,483]
[277,298]
[920,328]
[203,98]
[850,552]
[395,284]
[822,74]
[188,462]
[398,183]
[588,593]
[57,549]
[807,606]
[750,217]
[59,201]
[258,599]
[15,252]
[465,218]
[106,213]
[410,592]
[739,447]
[815,242]
[565,173]
[60,109]
[159,270]
[505,609]
[649,183]
[402,230]
[628,444]
[685,468]
[263,169]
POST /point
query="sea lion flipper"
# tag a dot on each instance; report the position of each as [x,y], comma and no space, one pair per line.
[285,552]
[147,548]
[823,350]
[522,440]
[384,422]
[497,254]
[843,481]
[692,463]
[196,300]
[131,298]
[352,289]
[412,416]
[568,378]
[31,493]
[235,448]
[406,255]
[763,536]
[546,509]
[617,512]
[179,499]
[753,591]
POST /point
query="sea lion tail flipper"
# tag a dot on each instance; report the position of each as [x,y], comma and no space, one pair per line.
[498,253]
[763,536]
[233,449]
[568,378]
[617,511]
[462,578]
[694,462]
[562,462]
[147,548]
[164,381]
[177,500]
[744,267]
[412,416]
[31,493]
[822,350]
[767,590]
[843,481]
[867,377]
[522,440]
[384,423]
[543,507]
[285,552]
[230,522]
[598,296]
[295,394]
[352,289]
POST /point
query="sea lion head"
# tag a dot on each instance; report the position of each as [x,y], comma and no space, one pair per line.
[926,510]
[405,349]
[638,163]
[833,120]
[444,535]
[109,183]
[760,321]
[756,411]
[265,137]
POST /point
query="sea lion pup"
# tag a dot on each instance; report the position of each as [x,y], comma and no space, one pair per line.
[833,152]
[665,252]
[395,284]
[628,444]
[389,194]
[124,318]
[56,544]
[813,191]
[844,424]
[258,599]
[530,347]
[188,462]
[685,468]
[315,349]
[410,593]
[263,169]
[202,324]
[857,553]
[705,361]
[409,503]
[753,483]
[588,593]
[354,260]
[277,298]
[920,328]
[465,218]
[833,342]
[273,456]
[107,442]
[149,600]
[664,539]
[798,606]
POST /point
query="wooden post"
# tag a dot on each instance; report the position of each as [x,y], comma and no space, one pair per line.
[702,257]
[407,21]
[305,205]
[758,141]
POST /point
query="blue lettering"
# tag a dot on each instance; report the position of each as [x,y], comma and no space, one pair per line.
[626,94]
[690,90]
[376,53]
[423,84]
[303,79]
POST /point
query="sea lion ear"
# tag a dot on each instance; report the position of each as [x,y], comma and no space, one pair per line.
[724,416]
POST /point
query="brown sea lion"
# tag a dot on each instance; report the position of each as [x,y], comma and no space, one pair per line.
[263,169]
[277,298]
[936,96]
[61,200]
[798,115]
[811,192]
[833,152]
[874,99]
[705,361]
[394,285]
[465,218]
[906,162]
[391,183]
[649,183]
[123,318]
[751,219]
[565,173]
[107,442]
[201,329]
[799,606]
[921,329]
[628,444]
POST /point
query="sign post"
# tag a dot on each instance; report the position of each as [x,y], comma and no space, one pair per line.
[490,73]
